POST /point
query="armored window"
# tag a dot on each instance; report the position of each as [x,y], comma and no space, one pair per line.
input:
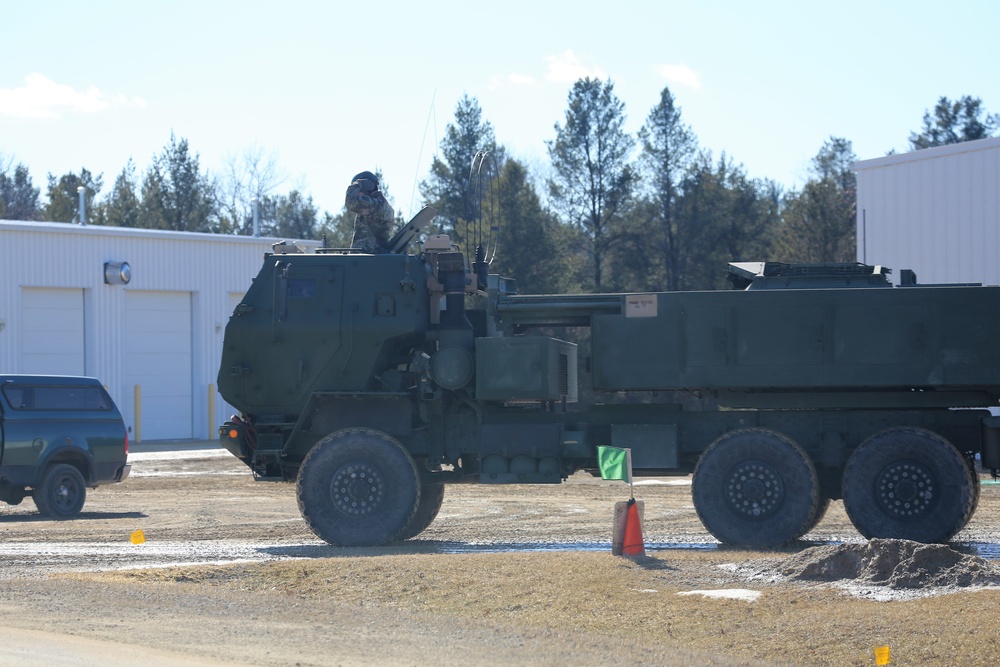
[301,288]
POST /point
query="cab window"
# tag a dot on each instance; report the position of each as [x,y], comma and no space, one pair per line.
[42,397]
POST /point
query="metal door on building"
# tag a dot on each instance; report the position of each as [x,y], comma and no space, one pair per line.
[158,359]
[52,331]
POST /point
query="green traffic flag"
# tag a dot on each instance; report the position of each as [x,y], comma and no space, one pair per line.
[613,462]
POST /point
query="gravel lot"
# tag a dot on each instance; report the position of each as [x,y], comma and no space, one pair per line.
[242,583]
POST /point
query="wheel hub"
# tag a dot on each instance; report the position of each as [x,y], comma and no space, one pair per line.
[63,495]
[754,489]
[357,489]
[905,489]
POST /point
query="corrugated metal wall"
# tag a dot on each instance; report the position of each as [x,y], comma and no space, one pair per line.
[210,267]
[936,211]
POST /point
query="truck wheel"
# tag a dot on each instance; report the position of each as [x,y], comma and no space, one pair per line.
[431,497]
[358,488]
[756,488]
[908,483]
[61,493]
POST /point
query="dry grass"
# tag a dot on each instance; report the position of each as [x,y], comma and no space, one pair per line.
[600,594]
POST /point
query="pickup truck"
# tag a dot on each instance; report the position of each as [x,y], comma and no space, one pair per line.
[59,435]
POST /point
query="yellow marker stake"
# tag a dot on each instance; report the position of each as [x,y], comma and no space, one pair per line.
[882,655]
[138,537]
[211,411]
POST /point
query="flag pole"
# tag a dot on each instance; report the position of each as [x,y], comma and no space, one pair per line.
[628,462]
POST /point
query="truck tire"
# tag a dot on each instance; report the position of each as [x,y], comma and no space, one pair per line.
[431,498]
[61,493]
[756,488]
[910,484]
[358,488]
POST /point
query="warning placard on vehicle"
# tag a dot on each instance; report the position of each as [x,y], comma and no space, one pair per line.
[640,305]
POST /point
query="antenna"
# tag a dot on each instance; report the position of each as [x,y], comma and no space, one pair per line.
[420,155]
[482,226]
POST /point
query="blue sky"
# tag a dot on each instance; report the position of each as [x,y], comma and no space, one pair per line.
[330,89]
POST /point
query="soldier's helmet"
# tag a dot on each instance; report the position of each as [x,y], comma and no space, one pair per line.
[367,175]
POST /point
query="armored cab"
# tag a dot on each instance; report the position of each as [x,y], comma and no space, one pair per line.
[322,322]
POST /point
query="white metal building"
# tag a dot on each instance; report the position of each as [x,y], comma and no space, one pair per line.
[150,331]
[936,211]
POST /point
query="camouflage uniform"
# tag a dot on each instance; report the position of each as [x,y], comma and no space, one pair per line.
[374,222]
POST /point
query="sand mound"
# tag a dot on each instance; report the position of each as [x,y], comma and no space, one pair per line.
[895,564]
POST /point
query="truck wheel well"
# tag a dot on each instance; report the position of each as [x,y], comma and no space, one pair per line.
[72,458]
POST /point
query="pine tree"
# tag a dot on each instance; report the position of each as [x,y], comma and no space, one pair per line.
[64,195]
[18,196]
[175,194]
[820,222]
[447,187]
[121,208]
[593,179]
[669,148]
[955,122]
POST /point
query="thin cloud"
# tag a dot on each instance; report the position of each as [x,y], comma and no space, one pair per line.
[568,68]
[680,74]
[497,82]
[41,97]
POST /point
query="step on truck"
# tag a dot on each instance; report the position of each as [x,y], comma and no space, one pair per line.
[374,381]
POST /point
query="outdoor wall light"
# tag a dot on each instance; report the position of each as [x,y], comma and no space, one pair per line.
[117,273]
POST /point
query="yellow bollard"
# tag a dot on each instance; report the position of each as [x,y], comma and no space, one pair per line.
[211,412]
[137,419]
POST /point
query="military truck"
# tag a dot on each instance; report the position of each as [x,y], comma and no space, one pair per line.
[373,381]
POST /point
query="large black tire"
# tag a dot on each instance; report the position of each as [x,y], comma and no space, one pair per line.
[358,488]
[908,483]
[756,488]
[431,498]
[61,493]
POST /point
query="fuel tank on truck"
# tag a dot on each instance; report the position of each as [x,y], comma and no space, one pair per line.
[901,339]
[321,322]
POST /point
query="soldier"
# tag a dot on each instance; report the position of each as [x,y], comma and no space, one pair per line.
[374,221]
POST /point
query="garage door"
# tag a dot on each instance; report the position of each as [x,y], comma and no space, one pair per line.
[158,360]
[52,331]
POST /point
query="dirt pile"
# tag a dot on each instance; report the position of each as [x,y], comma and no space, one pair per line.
[896,564]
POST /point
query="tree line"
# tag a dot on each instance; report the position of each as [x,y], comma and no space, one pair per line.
[615,212]
[174,194]
[653,211]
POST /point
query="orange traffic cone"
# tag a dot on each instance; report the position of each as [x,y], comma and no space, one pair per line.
[633,546]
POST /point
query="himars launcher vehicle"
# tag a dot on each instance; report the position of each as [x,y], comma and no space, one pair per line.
[373,381]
